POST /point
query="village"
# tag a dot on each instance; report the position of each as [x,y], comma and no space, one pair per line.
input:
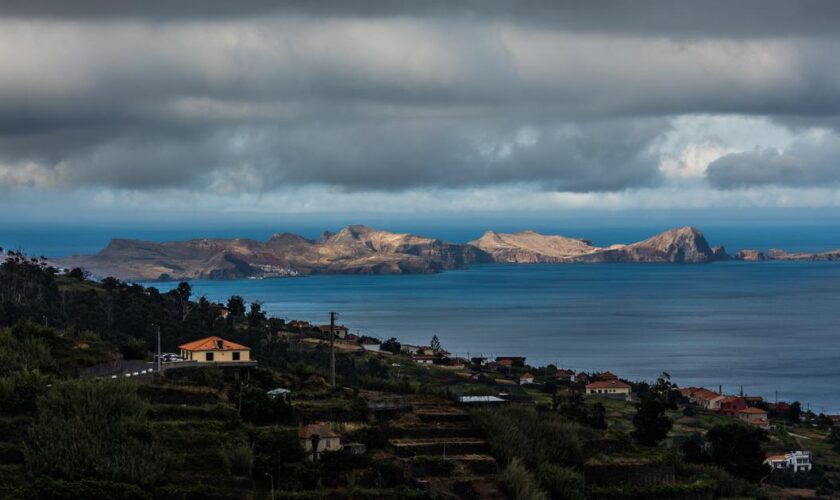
[431,402]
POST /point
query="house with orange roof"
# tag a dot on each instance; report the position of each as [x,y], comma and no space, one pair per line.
[315,439]
[341,331]
[754,416]
[731,405]
[707,399]
[687,392]
[753,400]
[215,350]
[606,376]
[526,378]
[612,388]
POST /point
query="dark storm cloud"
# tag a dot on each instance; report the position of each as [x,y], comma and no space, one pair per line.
[645,17]
[806,163]
[249,95]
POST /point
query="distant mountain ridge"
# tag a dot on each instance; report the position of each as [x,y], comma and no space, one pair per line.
[358,249]
[685,244]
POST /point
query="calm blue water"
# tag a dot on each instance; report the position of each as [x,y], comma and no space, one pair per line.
[764,326]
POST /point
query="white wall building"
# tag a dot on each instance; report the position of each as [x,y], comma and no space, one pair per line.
[796,461]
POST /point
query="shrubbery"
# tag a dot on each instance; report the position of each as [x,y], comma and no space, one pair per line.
[521,432]
[93,429]
[520,484]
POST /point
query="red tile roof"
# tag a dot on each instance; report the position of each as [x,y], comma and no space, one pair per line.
[608,384]
[753,411]
[705,394]
[322,431]
[688,391]
[210,344]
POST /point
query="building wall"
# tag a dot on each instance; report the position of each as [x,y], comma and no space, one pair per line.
[324,444]
[218,356]
[613,390]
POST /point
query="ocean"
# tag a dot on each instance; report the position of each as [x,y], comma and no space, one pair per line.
[763,327]
[767,328]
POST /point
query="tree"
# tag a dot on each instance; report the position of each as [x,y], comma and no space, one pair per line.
[182,296]
[737,449]
[391,345]
[236,306]
[256,316]
[795,412]
[650,421]
[435,345]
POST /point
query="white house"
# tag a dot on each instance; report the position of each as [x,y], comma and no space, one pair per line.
[526,378]
[795,461]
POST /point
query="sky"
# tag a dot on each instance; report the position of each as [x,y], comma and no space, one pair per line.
[207,110]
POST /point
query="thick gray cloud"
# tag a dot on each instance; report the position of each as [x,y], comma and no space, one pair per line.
[814,162]
[745,18]
[251,96]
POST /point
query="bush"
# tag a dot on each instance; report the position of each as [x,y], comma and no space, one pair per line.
[237,459]
[561,483]
[520,432]
[520,484]
[13,428]
[10,454]
[23,348]
[19,391]
[196,491]
[205,412]
[726,485]
[88,489]
[88,429]
[174,394]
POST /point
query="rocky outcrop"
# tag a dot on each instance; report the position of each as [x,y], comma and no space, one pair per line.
[364,250]
[353,250]
[750,255]
[531,247]
[776,254]
[682,245]
[677,245]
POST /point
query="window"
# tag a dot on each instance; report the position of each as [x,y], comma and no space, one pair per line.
[236,356]
[209,356]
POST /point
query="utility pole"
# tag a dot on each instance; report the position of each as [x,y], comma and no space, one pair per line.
[332,348]
[157,327]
